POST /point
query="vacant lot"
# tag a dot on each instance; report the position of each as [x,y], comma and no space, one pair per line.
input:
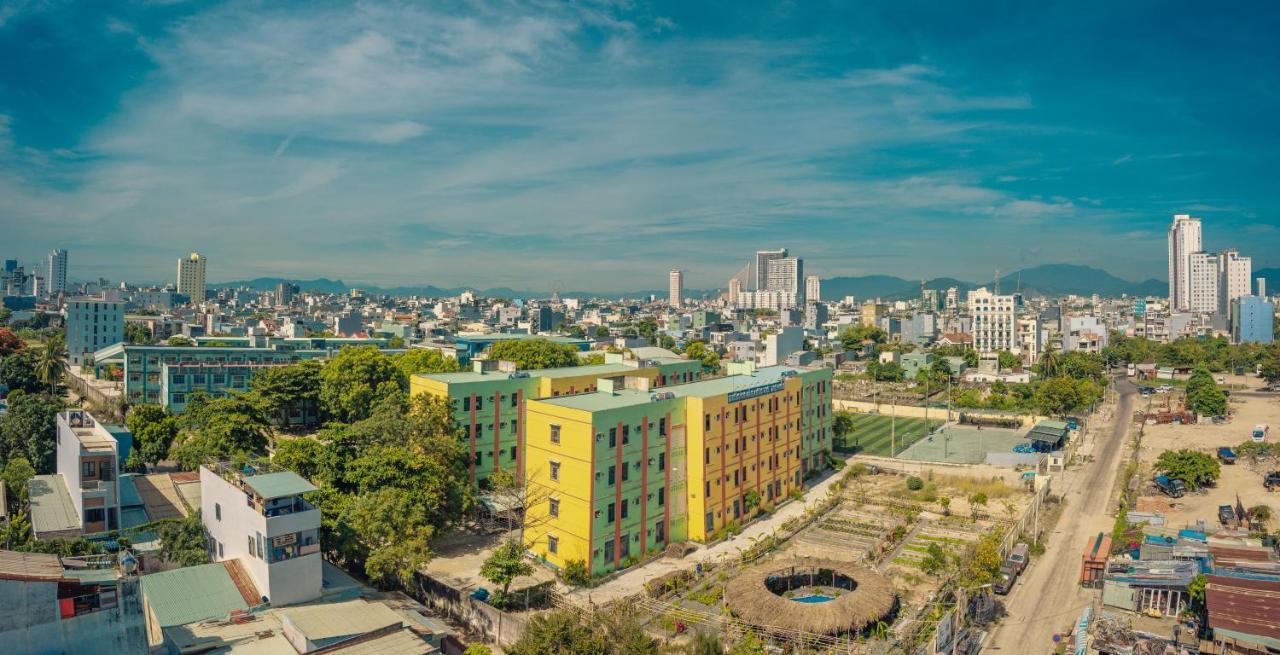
[874,434]
[1243,478]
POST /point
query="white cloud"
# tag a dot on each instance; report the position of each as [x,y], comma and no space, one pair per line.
[397,132]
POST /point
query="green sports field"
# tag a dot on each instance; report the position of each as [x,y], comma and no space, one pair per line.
[873,433]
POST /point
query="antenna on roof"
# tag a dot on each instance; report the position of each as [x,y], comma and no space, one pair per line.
[997,281]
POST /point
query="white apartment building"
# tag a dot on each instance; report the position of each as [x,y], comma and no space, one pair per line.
[1235,277]
[92,324]
[261,519]
[1031,338]
[1084,333]
[1184,239]
[812,288]
[786,274]
[735,291]
[191,277]
[995,321]
[763,257]
[57,277]
[675,288]
[1203,283]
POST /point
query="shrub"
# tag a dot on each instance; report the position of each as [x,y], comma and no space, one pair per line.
[915,484]
[576,573]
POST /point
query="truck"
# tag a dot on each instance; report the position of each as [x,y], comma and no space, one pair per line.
[1226,515]
[1171,487]
[1272,481]
[1260,431]
[1226,455]
[1019,557]
[1006,578]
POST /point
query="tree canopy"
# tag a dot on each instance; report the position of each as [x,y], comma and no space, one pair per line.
[700,351]
[356,379]
[1194,468]
[283,391]
[220,428]
[30,429]
[425,360]
[852,338]
[1203,395]
[529,354]
[505,564]
[154,431]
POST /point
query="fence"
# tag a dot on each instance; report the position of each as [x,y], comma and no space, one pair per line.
[496,625]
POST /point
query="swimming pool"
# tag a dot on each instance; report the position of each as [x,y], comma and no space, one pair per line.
[813,598]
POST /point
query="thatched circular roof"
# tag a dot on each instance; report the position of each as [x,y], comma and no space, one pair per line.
[752,597]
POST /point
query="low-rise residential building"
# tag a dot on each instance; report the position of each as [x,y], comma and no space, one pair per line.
[489,402]
[81,497]
[1252,320]
[627,471]
[261,519]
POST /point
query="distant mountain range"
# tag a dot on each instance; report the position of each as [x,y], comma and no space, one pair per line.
[1045,280]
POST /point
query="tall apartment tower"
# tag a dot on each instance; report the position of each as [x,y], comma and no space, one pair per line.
[676,288]
[763,257]
[785,274]
[1184,239]
[735,291]
[57,277]
[1203,282]
[812,288]
[1235,275]
[995,321]
[191,276]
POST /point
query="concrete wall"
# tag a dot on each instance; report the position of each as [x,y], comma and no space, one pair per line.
[105,632]
[887,409]
[926,469]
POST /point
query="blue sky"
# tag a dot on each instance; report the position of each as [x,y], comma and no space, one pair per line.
[596,145]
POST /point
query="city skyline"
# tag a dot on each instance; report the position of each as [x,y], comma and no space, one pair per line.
[412,145]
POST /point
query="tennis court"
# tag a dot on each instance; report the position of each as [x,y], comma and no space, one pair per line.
[874,434]
[964,444]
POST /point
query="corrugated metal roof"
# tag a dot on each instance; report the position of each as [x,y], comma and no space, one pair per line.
[1246,608]
[279,485]
[191,594]
[402,642]
[319,623]
[92,576]
[29,566]
[51,506]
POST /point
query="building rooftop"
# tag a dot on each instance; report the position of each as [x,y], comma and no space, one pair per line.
[29,566]
[461,377]
[51,506]
[95,441]
[279,485]
[604,400]
[338,621]
[194,593]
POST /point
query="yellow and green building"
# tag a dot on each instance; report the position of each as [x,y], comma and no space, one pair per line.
[627,470]
[490,405]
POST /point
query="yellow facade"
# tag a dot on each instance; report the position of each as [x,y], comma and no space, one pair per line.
[571,489]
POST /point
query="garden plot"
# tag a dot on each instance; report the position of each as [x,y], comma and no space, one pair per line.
[953,540]
[850,533]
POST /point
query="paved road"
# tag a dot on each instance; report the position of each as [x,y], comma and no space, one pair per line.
[1048,599]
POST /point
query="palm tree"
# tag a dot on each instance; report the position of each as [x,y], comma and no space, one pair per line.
[1049,361]
[51,362]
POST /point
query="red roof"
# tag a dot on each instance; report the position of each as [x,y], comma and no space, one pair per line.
[1251,607]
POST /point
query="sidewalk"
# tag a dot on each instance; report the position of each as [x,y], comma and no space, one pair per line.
[632,581]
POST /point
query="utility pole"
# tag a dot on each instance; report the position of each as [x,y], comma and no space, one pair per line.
[893,427]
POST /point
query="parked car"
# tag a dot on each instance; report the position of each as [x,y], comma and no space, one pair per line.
[1226,455]
[1005,580]
[1171,487]
[1226,514]
[1019,557]
[1272,481]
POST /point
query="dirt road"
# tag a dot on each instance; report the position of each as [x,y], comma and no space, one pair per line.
[1048,598]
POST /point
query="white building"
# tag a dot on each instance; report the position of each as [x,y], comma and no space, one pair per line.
[1084,333]
[191,277]
[786,274]
[1184,239]
[1203,282]
[675,288]
[57,274]
[262,520]
[995,321]
[81,497]
[1235,275]
[735,291]
[812,288]
[763,257]
[1031,338]
[92,324]
[780,345]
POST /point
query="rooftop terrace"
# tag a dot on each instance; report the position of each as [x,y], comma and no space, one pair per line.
[761,379]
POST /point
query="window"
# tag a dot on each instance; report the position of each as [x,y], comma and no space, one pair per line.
[706,423]
[707,491]
[553,507]
[515,452]
[610,514]
[625,469]
[89,469]
[514,399]
[553,544]
[624,508]
[613,471]
[626,434]
[613,437]
[706,458]
[220,550]
[662,427]
[660,531]
[95,515]
[662,496]
[662,461]
[555,433]
[555,471]
[466,404]
[252,545]
[217,511]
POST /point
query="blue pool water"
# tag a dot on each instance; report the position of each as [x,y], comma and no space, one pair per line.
[815,598]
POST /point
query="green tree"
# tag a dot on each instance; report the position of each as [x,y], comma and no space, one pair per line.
[1007,360]
[425,360]
[749,644]
[285,391]
[182,541]
[181,340]
[529,354]
[1196,589]
[17,534]
[51,362]
[30,428]
[1057,396]
[356,379]
[935,560]
[601,332]
[1194,468]
[1269,367]
[18,372]
[477,649]
[154,431]
[393,530]
[16,475]
[699,350]
[982,562]
[137,333]
[309,458]
[1203,395]
[842,424]
[1048,366]
[221,428]
[704,643]
[1081,366]
[886,371]
[852,338]
[505,564]
[561,632]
